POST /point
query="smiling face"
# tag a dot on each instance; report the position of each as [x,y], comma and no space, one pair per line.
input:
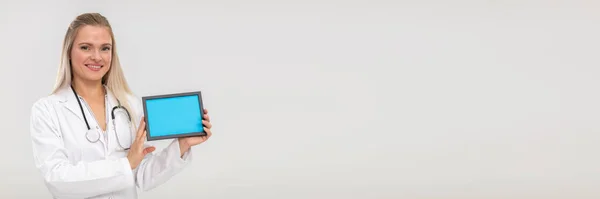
[91,53]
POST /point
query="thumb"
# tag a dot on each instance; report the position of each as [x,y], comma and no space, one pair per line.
[149,150]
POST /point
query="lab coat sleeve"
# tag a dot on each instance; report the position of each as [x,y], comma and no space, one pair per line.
[65,179]
[158,168]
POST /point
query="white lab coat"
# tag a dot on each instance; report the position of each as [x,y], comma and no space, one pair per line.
[73,167]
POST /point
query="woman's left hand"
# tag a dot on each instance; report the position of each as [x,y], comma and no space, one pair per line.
[186,143]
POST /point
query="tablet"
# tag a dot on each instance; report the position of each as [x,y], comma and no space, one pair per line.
[173,115]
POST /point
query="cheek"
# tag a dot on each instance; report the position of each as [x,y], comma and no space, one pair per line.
[77,58]
[107,58]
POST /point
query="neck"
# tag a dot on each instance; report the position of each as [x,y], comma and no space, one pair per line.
[88,89]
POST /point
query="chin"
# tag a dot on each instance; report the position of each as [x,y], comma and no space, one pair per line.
[93,77]
[96,77]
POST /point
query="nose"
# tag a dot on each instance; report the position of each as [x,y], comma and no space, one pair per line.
[96,56]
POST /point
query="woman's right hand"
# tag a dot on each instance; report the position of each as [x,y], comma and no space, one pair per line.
[137,152]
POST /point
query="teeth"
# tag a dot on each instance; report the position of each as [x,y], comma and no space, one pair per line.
[94,67]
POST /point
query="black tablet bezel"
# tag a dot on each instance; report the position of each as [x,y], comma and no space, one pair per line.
[189,134]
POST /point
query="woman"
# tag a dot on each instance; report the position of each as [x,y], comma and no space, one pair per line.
[79,148]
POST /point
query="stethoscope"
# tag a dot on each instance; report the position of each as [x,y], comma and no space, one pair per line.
[92,135]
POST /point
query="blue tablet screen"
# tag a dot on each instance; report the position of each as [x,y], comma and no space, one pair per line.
[174,115]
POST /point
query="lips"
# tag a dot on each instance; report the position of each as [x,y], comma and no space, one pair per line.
[94,67]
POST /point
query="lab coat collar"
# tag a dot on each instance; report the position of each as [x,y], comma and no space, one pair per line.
[68,99]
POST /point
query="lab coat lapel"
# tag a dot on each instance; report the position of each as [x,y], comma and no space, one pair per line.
[69,101]
[110,130]
[112,102]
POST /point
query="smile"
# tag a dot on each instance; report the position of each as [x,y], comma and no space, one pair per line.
[94,67]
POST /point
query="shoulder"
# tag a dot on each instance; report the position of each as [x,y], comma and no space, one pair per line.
[51,101]
[136,105]
[134,100]
[44,113]
[45,105]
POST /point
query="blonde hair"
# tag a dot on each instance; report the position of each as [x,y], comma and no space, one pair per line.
[114,78]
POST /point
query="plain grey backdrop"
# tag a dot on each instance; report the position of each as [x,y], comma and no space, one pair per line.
[342,99]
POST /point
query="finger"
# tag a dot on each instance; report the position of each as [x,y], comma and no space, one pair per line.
[205,111]
[206,117]
[141,128]
[208,132]
[207,124]
[141,138]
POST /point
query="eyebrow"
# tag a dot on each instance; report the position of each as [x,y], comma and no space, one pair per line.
[85,43]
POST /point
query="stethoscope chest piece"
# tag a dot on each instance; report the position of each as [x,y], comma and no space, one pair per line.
[92,135]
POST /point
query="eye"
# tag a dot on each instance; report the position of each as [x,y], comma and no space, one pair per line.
[84,47]
[106,48]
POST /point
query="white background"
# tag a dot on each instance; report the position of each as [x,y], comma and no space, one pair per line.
[342,99]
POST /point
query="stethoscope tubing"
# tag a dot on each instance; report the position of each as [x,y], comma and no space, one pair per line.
[112,113]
